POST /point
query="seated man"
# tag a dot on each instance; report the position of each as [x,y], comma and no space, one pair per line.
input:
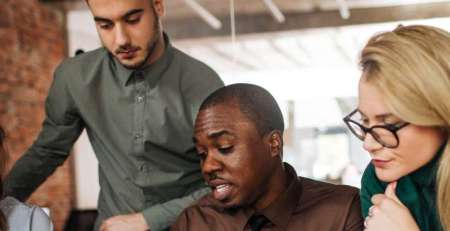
[239,137]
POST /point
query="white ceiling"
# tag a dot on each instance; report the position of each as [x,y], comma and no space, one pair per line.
[314,59]
[306,49]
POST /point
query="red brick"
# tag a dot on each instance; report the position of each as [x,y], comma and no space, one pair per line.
[34,37]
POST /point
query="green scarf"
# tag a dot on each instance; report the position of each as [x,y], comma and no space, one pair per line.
[417,191]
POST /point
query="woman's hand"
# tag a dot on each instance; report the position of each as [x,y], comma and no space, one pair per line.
[389,213]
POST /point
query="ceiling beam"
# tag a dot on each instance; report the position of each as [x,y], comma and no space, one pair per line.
[274,10]
[263,23]
[204,14]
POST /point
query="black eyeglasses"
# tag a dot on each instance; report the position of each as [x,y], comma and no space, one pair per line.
[386,135]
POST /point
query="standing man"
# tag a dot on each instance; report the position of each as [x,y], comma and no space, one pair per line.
[137,97]
[239,137]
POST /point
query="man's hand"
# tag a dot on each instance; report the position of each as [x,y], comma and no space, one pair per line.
[132,222]
[389,213]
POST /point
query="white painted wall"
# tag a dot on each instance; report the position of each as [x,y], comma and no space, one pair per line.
[83,35]
[86,174]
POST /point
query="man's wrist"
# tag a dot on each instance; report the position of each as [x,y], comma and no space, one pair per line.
[142,221]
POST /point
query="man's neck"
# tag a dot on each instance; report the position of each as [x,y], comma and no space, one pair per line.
[157,51]
[279,184]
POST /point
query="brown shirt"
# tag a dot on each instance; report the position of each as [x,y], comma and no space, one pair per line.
[305,205]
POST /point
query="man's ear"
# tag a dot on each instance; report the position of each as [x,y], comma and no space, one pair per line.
[275,140]
[159,7]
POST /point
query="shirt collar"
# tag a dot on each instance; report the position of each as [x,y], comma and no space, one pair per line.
[281,210]
[426,175]
[239,216]
[278,212]
[152,72]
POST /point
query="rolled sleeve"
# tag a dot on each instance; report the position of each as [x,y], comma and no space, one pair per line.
[161,216]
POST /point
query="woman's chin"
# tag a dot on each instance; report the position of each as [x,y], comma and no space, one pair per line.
[387,175]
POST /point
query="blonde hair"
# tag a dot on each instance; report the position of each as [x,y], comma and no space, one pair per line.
[410,66]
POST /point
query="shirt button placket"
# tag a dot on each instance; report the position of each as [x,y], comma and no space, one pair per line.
[139,106]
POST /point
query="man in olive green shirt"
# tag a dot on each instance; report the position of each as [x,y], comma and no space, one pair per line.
[137,98]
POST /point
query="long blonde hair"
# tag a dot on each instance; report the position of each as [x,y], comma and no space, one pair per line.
[410,66]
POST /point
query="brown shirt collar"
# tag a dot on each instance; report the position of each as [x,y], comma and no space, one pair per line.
[278,212]
[281,210]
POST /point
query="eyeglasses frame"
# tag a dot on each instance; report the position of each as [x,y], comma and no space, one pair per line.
[393,128]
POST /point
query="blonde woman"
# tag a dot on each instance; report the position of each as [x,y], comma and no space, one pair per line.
[403,118]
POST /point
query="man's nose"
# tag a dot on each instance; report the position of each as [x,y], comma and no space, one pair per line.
[122,36]
[211,164]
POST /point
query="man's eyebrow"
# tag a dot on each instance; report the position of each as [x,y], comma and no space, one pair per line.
[126,15]
[219,134]
[100,19]
[214,135]
[132,12]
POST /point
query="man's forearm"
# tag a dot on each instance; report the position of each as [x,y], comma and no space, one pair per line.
[29,172]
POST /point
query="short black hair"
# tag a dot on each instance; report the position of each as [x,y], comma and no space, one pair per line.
[255,102]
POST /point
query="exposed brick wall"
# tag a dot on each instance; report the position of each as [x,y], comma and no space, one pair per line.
[32,42]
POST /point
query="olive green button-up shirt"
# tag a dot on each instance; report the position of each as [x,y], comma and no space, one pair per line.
[140,124]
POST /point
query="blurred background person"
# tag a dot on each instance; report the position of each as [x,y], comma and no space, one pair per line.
[15,215]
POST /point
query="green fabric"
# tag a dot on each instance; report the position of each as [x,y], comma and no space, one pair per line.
[416,191]
[140,124]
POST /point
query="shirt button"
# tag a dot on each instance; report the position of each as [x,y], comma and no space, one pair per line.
[139,75]
[137,136]
[139,98]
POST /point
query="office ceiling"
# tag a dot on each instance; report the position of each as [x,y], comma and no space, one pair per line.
[208,18]
[313,34]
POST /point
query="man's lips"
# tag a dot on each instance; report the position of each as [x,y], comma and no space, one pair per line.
[127,54]
[221,189]
[222,192]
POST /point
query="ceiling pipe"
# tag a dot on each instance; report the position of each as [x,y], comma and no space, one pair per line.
[233,29]
[344,10]
[276,12]
[204,14]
